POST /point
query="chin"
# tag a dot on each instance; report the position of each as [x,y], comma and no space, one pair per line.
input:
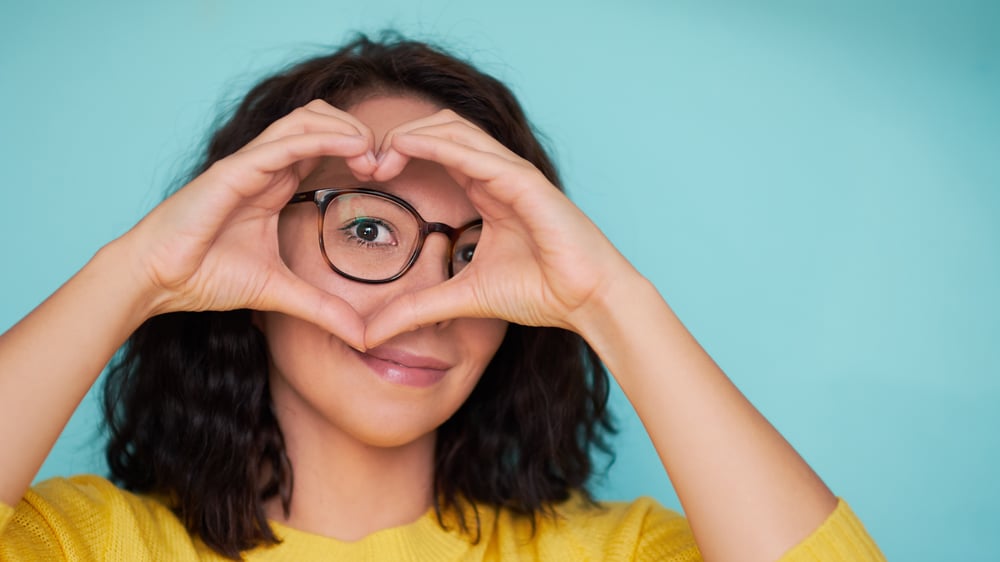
[389,425]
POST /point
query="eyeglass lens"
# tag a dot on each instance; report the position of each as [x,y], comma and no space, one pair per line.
[374,238]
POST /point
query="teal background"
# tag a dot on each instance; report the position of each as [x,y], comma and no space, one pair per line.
[814,186]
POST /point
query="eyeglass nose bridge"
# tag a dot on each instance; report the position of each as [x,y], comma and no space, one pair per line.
[451,232]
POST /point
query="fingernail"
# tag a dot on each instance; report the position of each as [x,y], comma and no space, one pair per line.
[381,157]
[370,156]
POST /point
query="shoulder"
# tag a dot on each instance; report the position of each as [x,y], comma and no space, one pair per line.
[579,530]
[841,538]
[85,492]
[87,517]
[645,530]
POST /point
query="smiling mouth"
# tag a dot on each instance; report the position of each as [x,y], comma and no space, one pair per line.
[406,359]
[405,369]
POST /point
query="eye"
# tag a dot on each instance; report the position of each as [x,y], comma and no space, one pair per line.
[369,231]
[465,247]
[463,254]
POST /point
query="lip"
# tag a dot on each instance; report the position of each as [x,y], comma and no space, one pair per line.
[402,367]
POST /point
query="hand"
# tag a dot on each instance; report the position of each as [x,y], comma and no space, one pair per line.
[214,245]
[540,260]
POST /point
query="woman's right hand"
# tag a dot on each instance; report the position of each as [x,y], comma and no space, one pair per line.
[213,245]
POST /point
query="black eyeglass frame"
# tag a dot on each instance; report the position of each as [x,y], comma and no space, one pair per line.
[323,197]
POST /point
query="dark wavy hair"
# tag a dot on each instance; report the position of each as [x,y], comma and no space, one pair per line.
[187,402]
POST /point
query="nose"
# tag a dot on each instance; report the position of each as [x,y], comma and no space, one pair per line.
[430,269]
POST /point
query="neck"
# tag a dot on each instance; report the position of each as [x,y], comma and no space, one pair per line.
[347,490]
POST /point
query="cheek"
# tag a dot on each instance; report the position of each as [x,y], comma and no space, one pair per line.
[298,245]
[480,338]
[298,242]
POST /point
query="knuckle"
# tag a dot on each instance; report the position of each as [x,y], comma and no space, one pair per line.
[315,104]
[227,171]
[222,167]
[454,119]
[300,112]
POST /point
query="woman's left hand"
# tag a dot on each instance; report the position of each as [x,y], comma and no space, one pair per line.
[540,260]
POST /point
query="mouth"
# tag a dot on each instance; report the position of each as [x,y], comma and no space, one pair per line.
[404,368]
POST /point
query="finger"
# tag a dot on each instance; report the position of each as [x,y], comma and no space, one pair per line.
[361,166]
[296,297]
[463,132]
[445,117]
[249,171]
[464,162]
[321,106]
[442,116]
[446,124]
[316,117]
[390,163]
[411,311]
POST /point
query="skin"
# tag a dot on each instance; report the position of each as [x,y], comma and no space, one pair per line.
[746,492]
[377,437]
[218,244]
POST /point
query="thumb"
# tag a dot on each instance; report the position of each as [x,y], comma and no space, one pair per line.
[411,311]
[298,298]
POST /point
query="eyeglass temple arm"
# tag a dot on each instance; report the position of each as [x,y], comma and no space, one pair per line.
[302,196]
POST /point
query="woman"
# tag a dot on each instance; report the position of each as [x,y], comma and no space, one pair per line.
[316,366]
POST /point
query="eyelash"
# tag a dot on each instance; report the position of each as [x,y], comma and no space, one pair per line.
[348,231]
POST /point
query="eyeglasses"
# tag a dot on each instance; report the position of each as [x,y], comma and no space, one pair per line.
[375,237]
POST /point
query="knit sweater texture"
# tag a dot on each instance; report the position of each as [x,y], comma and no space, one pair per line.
[88,518]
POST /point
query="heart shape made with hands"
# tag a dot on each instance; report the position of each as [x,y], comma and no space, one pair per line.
[411,310]
[544,258]
[387,161]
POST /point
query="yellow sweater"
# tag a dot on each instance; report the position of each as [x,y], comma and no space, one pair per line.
[88,518]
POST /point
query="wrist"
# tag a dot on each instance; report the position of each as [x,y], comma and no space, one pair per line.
[119,266]
[617,309]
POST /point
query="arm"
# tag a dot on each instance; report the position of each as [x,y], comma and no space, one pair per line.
[211,246]
[50,359]
[747,493]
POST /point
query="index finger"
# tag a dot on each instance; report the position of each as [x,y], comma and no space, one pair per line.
[293,296]
[446,124]
[315,116]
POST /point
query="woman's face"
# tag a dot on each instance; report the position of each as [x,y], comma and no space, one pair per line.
[405,388]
